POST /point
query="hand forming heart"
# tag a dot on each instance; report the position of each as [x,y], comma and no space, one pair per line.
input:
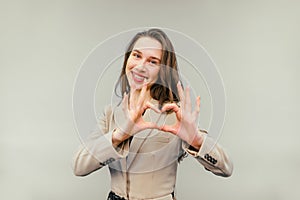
[133,109]
[186,126]
[136,105]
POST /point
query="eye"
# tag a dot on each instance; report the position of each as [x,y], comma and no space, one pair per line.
[154,62]
[136,55]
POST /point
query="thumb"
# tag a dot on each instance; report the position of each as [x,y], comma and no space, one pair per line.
[168,128]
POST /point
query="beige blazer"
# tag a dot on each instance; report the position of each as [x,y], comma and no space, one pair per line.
[145,167]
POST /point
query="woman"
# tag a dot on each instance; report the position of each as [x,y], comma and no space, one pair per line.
[144,137]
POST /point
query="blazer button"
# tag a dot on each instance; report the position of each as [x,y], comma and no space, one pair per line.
[214,161]
[110,160]
[206,156]
[209,158]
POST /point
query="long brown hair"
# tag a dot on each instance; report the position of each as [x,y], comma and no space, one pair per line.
[164,89]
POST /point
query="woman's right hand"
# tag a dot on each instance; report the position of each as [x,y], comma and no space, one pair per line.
[133,109]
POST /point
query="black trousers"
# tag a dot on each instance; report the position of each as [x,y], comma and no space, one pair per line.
[113,196]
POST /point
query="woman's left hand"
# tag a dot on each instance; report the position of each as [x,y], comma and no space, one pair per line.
[186,126]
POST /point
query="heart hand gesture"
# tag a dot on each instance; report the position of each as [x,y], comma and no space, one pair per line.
[133,109]
[186,126]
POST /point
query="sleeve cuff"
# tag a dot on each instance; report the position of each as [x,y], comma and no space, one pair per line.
[103,150]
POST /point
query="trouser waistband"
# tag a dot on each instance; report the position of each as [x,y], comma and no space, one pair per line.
[114,196]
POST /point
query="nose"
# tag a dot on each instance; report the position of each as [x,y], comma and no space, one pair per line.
[141,66]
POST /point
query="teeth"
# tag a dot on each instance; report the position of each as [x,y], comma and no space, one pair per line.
[140,78]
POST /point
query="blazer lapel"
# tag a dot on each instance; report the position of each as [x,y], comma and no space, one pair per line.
[119,118]
[136,143]
[138,139]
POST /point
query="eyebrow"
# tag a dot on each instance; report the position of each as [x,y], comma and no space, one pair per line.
[153,57]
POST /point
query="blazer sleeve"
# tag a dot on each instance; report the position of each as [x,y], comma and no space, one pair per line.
[97,151]
[211,155]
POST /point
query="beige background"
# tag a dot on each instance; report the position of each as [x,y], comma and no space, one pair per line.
[255,45]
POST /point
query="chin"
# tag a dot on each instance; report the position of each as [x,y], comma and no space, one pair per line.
[137,86]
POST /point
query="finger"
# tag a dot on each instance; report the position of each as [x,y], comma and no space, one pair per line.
[197,109]
[169,107]
[198,104]
[188,104]
[180,93]
[132,98]
[142,95]
[152,107]
[125,102]
[172,107]
[168,128]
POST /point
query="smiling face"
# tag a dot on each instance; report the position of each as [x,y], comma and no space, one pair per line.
[150,57]
[143,63]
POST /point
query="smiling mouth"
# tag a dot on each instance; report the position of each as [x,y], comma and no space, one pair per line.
[138,78]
